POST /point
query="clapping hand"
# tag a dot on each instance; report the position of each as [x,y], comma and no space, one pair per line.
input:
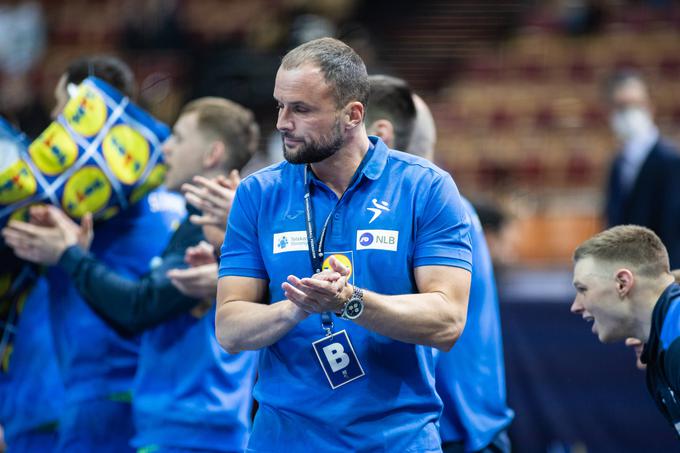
[213,197]
[326,291]
[50,232]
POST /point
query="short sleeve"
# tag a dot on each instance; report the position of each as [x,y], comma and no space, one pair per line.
[241,255]
[443,228]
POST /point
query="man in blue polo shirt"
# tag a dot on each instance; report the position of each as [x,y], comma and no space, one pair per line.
[471,377]
[347,263]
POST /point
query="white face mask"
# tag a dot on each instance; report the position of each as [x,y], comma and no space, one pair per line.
[631,123]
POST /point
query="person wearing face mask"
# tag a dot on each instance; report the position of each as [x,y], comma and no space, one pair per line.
[643,187]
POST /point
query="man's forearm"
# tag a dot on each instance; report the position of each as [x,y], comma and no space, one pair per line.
[428,319]
[130,305]
[242,326]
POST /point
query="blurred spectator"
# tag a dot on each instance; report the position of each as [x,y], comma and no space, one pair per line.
[22,42]
[22,36]
[644,187]
[582,16]
[152,24]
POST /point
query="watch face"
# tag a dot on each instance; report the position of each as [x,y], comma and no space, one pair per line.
[354,308]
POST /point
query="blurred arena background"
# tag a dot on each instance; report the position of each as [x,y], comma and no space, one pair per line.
[516,91]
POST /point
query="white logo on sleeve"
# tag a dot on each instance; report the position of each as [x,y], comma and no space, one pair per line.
[290,241]
[336,356]
[377,240]
[378,209]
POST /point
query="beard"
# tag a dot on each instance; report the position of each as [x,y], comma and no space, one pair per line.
[315,150]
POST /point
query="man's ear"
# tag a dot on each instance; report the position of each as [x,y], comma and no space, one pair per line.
[624,281]
[354,114]
[383,129]
[215,155]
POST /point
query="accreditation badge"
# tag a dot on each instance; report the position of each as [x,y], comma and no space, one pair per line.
[338,360]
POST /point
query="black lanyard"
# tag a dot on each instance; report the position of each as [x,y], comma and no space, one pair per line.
[316,251]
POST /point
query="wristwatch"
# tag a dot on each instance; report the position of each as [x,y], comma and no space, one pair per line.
[354,306]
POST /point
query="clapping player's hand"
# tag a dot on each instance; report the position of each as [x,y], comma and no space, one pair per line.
[213,197]
[200,280]
[49,234]
[326,291]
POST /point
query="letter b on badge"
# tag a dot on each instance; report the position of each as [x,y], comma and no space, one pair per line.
[338,359]
[335,354]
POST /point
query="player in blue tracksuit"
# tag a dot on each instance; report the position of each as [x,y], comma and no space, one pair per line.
[97,361]
[470,378]
[189,394]
[31,391]
[625,288]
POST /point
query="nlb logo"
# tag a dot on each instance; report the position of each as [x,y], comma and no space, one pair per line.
[155,179]
[86,112]
[366,239]
[377,240]
[127,153]
[326,266]
[17,183]
[87,190]
[54,151]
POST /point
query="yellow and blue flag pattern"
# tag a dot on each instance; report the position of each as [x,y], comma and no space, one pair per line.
[100,155]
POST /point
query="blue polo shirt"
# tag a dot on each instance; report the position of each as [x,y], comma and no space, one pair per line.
[401,212]
[471,377]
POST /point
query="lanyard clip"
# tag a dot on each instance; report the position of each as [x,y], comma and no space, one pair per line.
[327,323]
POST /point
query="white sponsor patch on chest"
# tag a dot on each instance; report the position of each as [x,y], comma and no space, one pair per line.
[290,241]
[377,240]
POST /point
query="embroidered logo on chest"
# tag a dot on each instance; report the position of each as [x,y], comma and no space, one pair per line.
[378,208]
[377,240]
[290,241]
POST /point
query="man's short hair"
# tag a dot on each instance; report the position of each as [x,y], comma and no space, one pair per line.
[110,69]
[230,123]
[631,245]
[342,68]
[392,99]
[619,78]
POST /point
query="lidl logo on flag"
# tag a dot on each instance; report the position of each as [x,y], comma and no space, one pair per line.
[86,112]
[127,153]
[54,151]
[16,183]
[87,190]
[155,179]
